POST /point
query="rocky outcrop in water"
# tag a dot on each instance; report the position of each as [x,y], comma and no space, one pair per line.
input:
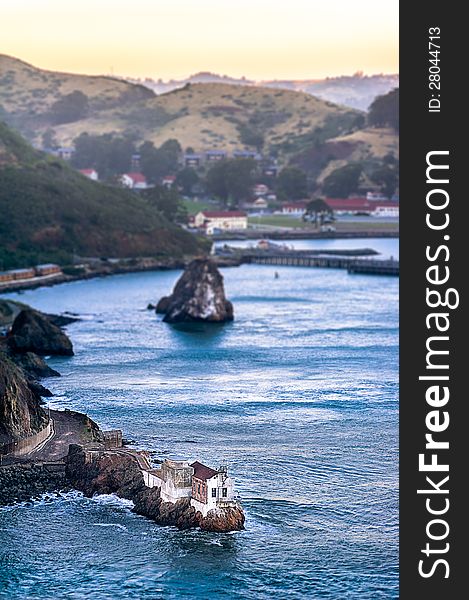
[114,472]
[33,331]
[199,296]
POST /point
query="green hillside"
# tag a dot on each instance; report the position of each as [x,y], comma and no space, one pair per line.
[49,211]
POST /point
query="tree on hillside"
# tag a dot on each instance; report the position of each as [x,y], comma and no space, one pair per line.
[384,110]
[231,179]
[158,162]
[70,108]
[292,184]
[344,181]
[109,155]
[249,136]
[167,202]
[48,139]
[386,176]
[186,179]
[317,211]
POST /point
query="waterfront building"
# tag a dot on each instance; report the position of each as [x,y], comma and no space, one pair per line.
[207,488]
[211,489]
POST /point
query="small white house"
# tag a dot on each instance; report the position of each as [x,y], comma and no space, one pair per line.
[207,488]
[90,173]
[260,189]
[168,181]
[211,489]
[390,209]
[134,181]
[295,209]
[223,220]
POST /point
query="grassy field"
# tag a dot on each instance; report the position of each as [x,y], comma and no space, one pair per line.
[283,221]
[279,221]
[194,207]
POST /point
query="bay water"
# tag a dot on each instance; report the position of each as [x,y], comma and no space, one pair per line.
[298,397]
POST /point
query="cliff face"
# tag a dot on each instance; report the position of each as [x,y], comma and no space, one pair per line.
[119,473]
[199,295]
[20,411]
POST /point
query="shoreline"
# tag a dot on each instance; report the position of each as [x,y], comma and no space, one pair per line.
[305,234]
[99,271]
[137,265]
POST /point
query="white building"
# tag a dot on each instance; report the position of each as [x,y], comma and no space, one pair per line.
[211,489]
[208,488]
[134,181]
[223,220]
[390,209]
[90,173]
[295,209]
[174,479]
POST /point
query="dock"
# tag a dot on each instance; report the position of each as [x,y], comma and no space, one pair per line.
[332,259]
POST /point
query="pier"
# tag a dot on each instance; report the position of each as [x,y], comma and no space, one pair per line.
[332,259]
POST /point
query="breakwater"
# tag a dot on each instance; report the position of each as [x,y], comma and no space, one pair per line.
[23,482]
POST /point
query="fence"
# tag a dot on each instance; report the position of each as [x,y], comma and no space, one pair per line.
[25,445]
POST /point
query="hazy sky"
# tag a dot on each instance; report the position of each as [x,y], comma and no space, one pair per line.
[262,39]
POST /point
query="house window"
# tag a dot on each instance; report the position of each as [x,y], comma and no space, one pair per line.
[214,492]
[224,492]
[198,488]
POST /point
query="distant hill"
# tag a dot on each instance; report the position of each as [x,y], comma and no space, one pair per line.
[355,91]
[200,115]
[49,211]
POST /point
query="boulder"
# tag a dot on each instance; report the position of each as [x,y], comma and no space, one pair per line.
[33,332]
[199,296]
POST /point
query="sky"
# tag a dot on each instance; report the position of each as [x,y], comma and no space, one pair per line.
[260,39]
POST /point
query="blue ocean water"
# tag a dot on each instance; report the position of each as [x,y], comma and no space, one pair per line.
[299,397]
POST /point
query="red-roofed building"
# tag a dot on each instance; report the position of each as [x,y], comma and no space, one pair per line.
[210,488]
[211,220]
[168,181]
[295,209]
[134,181]
[353,206]
[90,173]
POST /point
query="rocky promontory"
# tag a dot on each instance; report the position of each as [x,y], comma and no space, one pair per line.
[21,414]
[35,332]
[118,472]
[199,296]
[29,333]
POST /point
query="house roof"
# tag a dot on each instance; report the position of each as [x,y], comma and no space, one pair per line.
[359,204]
[87,171]
[202,472]
[299,205]
[169,178]
[223,214]
[137,177]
